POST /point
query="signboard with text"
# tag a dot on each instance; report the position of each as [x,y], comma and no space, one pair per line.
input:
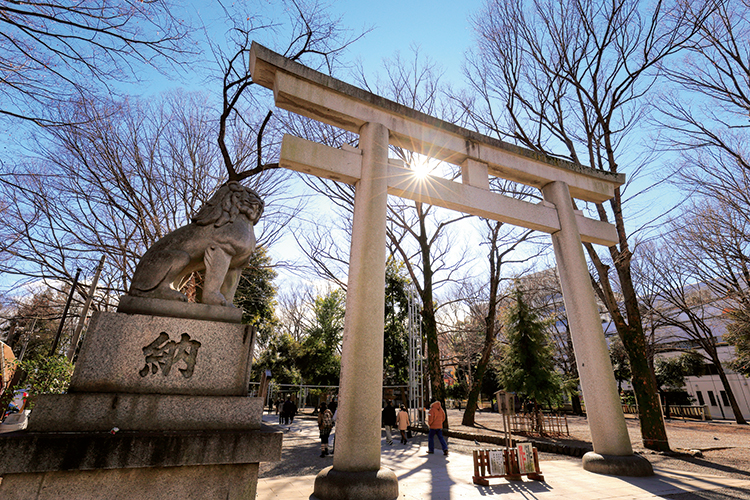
[526,458]
[497,463]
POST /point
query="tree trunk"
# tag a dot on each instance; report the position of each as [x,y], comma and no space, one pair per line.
[489,330]
[730,394]
[476,386]
[631,334]
[643,380]
[428,320]
[433,353]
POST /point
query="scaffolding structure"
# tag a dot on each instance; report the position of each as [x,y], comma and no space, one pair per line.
[416,361]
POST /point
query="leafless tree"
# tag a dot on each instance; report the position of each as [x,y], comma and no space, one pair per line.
[116,175]
[125,175]
[120,176]
[419,235]
[707,114]
[52,52]
[568,79]
[506,247]
[686,304]
[324,237]
[316,38]
[707,118]
[293,311]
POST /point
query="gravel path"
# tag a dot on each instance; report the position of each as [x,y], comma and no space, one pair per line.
[724,448]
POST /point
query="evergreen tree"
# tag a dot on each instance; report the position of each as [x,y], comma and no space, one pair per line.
[320,354]
[256,295]
[280,356]
[396,341]
[527,364]
[620,363]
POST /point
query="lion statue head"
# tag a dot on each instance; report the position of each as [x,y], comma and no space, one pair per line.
[227,203]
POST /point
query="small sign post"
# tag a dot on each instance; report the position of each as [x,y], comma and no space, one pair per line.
[505,406]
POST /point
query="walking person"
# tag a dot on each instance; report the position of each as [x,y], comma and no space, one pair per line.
[333,432]
[282,413]
[325,424]
[290,409]
[403,423]
[389,421]
[435,419]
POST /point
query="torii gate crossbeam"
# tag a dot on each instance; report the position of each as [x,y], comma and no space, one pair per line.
[356,471]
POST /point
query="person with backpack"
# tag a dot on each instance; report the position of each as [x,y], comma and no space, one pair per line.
[325,425]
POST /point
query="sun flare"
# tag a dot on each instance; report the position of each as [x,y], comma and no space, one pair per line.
[422,166]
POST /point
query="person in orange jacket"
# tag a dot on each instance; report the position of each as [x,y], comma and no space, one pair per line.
[435,419]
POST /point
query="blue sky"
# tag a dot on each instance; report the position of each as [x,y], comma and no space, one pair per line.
[441,29]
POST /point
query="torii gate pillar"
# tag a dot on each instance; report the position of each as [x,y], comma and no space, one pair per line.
[613,453]
[356,471]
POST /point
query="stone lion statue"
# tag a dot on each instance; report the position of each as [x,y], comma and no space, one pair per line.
[219,240]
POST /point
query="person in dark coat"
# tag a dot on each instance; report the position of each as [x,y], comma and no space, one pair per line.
[389,421]
[290,409]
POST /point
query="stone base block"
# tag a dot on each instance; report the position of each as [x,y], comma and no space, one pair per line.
[331,484]
[615,465]
[235,482]
[92,412]
[177,309]
[154,355]
[32,452]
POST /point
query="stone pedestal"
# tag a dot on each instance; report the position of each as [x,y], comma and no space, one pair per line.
[132,353]
[157,409]
[617,465]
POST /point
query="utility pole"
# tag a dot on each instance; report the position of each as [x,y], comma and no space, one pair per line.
[65,312]
[82,318]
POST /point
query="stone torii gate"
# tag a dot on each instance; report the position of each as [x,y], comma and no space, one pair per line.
[356,470]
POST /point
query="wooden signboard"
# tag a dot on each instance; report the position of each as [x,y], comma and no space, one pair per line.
[508,463]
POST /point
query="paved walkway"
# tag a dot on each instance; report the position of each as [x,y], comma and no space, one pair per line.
[437,477]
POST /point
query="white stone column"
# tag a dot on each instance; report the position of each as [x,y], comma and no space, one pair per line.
[356,469]
[609,434]
[358,425]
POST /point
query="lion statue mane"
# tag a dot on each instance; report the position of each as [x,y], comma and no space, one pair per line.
[219,240]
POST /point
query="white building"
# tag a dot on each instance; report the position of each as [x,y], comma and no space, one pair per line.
[708,389]
[704,390]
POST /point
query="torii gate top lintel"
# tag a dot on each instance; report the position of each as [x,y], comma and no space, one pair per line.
[348,107]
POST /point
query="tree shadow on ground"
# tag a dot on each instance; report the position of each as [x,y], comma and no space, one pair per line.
[673,461]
